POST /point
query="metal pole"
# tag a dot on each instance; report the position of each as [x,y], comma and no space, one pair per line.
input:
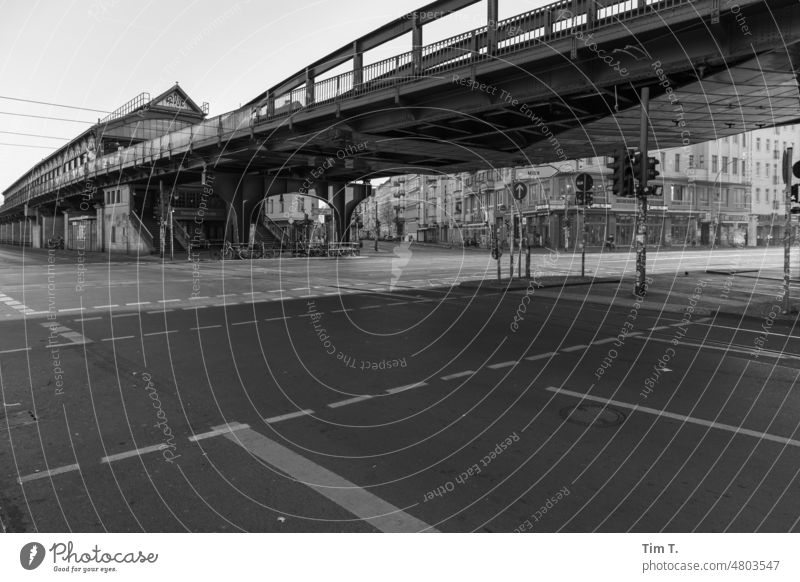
[787,230]
[511,248]
[527,261]
[640,290]
[377,226]
[496,238]
[161,220]
[583,241]
[519,251]
[171,236]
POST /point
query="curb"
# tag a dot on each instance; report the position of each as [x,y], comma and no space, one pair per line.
[524,283]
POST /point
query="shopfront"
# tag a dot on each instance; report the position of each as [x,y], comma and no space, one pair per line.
[597,228]
[680,234]
[82,233]
[624,230]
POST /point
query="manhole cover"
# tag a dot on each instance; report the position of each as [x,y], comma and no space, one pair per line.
[13,419]
[593,415]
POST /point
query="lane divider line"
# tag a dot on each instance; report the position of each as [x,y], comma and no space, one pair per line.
[575,348]
[458,375]
[541,356]
[113,339]
[15,350]
[406,387]
[349,401]
[288,416]
[49,473]
[133,453]
[218,430]
[507,364]
[680,417]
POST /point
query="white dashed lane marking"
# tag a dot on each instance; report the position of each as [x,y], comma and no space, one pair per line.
[458,375]
[681,418]
[288,416]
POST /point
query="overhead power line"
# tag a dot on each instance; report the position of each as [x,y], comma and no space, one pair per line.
[24,145]
[53,104]
[44,117]
[35,135]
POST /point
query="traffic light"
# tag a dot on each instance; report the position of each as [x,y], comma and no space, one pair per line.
[628,187]
[588,199]
[617,166]
[652,171]
[794,194]
[636,163]
[579,199]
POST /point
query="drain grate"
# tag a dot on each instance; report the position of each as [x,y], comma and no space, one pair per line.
[593,415]
[15,419]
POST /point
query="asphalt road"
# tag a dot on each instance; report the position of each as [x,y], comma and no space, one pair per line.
[373,394]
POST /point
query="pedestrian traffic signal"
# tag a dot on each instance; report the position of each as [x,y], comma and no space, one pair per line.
[579,199]
[794,194]
[588,199]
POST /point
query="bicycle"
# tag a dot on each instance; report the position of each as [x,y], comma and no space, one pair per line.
[226,253]
[250,252]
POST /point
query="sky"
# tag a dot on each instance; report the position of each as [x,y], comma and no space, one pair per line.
[99,54]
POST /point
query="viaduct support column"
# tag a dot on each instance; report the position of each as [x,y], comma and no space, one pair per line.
[242,194]
[360,193]
[338,193]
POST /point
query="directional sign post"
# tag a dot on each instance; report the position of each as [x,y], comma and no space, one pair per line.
[519,190]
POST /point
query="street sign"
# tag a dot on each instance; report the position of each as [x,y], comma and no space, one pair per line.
[583,182]
[519,190]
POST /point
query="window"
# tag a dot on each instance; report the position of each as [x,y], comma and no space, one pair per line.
[119,196]
[766,170]
[774,173]
[758,194]
[664,160]
[677,162]
[744,167]
[736,139]
[677,193]
[768,148]
[702,161]
[758,144]
[113,234]
[758,169]
[735,166]
[713,163]
[691,161]
[703,195]
[725,164]
[743,139]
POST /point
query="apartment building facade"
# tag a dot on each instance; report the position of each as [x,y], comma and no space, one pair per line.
[727,192]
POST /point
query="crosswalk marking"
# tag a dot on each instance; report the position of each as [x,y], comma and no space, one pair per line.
[363,504]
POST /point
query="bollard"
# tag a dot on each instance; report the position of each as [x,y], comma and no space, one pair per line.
[527,261]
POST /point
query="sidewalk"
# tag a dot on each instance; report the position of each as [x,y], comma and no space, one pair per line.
[699,293]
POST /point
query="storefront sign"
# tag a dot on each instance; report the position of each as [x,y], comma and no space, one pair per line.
[733,218]
[601,206]
[658,208]
[558,205]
